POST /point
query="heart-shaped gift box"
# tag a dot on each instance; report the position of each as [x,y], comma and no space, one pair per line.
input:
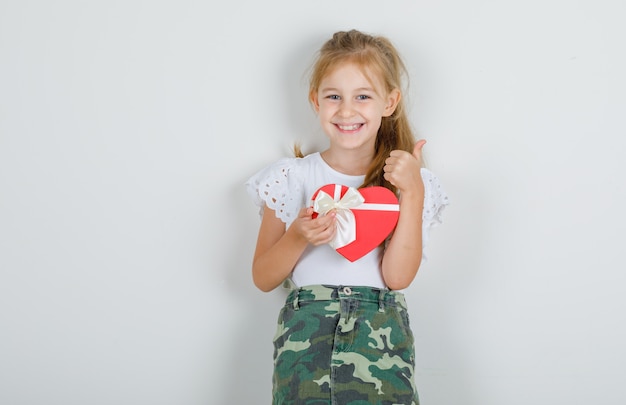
[366,217]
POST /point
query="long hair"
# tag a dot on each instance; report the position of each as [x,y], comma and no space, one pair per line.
[375,54]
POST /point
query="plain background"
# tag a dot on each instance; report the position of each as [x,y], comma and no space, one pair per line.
[127,131]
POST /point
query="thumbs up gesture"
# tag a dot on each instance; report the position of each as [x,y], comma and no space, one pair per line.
[403,170]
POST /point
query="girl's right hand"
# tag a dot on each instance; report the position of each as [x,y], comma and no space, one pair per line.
[316,231]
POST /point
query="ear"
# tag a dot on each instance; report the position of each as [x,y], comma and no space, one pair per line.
[393,98]
[314,101]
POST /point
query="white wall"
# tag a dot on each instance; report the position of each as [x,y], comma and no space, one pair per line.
[127,129]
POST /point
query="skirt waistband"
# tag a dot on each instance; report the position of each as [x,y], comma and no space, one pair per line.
[336,293]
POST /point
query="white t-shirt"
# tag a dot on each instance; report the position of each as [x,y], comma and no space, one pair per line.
[288,185]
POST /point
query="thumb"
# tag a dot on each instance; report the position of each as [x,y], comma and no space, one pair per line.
[417,149]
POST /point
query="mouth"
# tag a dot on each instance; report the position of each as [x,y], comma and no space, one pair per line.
[349,127]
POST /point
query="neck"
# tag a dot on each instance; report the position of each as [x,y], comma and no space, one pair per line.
[352,163]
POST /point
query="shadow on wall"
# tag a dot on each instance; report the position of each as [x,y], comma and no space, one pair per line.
[294,72]
[443,295]
[246,376]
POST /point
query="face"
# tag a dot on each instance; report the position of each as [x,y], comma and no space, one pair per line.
[351,107]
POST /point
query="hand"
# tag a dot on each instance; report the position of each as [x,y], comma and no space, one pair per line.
[403,169]
[317,231]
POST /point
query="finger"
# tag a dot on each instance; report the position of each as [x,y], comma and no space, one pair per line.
[324,221]
[394,156]
[331,236]
[417,149]
[396,153]
[305,212]
[390,178]
[323,235]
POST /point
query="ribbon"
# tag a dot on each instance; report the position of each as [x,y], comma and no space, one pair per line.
[346,224]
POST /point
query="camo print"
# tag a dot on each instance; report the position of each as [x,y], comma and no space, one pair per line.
[344,346]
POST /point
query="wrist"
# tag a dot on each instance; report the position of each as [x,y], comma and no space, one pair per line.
[296,237]
[416,195]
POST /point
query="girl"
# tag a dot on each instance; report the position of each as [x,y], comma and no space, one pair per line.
[343,336]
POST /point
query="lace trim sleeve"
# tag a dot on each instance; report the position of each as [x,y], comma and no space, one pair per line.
[277,186]
[435,201]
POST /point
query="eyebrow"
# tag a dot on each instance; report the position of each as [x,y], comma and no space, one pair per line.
[327,89]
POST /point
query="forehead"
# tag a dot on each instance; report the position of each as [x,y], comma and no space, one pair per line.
[348,74]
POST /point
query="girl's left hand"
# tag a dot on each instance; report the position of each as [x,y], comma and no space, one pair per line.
[403,170]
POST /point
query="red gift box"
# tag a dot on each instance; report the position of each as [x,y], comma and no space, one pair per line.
[365,217]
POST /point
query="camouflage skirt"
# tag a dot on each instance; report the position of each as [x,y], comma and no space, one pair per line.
[344,346]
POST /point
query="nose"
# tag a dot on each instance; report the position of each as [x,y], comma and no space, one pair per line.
[346,109]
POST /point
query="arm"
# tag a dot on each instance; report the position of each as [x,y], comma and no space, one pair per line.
[278,249]
[403,254]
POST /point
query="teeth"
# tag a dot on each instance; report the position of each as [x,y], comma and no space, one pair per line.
[349,127]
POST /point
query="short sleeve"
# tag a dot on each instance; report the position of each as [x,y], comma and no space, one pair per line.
[279,187]
[435,201]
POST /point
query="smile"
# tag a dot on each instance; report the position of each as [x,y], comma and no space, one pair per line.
[352,127]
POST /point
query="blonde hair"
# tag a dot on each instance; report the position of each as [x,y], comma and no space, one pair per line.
[375,54]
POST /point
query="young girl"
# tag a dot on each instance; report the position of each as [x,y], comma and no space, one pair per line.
[343,336]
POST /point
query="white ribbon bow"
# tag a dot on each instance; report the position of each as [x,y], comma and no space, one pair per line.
[346,224]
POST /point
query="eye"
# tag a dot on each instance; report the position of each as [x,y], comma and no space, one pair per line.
[363,97]
[333,97]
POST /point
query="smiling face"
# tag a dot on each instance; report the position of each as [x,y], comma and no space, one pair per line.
[351,107]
